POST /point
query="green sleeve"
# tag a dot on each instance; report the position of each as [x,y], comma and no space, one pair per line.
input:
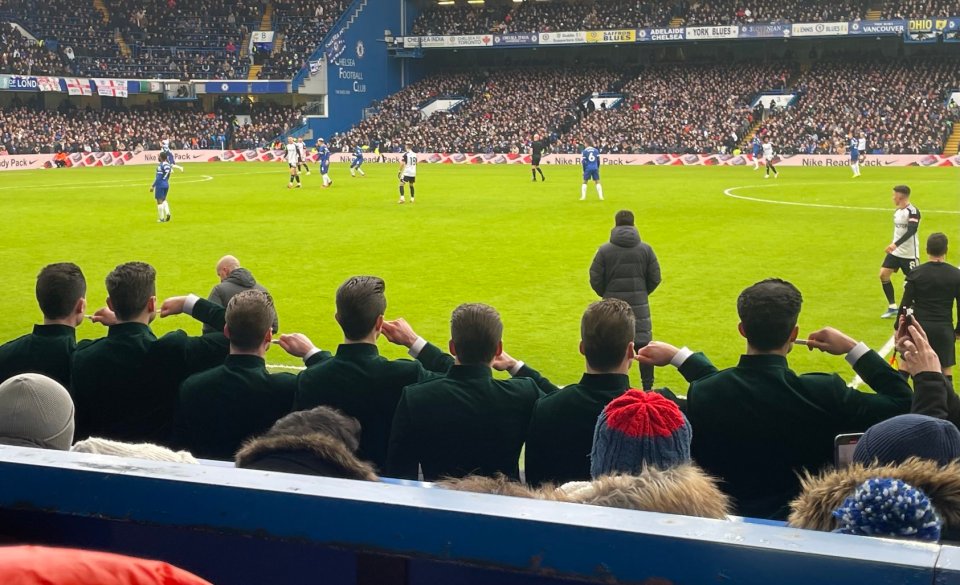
[210,314]
[933,396]
[545,385]
[402,455]
[696,366]
[893,395]
[318,358]
[434,359]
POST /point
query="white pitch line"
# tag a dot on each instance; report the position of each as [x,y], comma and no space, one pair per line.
[285,367]
[730,193]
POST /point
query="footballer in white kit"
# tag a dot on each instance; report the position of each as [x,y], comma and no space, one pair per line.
[408,173]
[293,162]
[903,254]
[768,156]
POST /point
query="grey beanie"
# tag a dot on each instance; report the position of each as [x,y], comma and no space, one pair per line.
[895,440]
[36,410]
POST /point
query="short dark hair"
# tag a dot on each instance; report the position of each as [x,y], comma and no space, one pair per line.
[360,300]
[903,190]
[250,315]
[937,244]
[475,329]
[162,156]
[768,311]
[624,217]
[130,287]
[323,420]
[59,287]
[606,328]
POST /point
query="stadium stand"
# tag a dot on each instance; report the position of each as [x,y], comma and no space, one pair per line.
[301,27]
[712,111]
[900,105]
[267,122]
[918,8]
[504,108]
[22,56]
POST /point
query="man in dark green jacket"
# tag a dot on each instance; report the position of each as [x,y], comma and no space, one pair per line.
[125,385]
[61,291]
[756,425]
[562,426]
[358,381]
[222,407]
[466,422]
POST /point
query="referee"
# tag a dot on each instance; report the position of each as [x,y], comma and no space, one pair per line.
[932,289]
[536,151]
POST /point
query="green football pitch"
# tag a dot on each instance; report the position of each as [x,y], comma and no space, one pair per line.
[481,234]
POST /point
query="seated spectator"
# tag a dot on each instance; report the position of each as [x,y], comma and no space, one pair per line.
[784,421]
[320,441]
[146,451]
[889,508]
[125,384]
[917,450]
[36,411]
[37,565]
[223,406]
[466,422]
[61,291]
[562,426]
[358,381]
[233,280]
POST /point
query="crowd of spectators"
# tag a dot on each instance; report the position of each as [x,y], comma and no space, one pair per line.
[899,105]
[25,130]
[21,56]
[504,108]
[559,15]
[302,26]
[669,108]
[267,122]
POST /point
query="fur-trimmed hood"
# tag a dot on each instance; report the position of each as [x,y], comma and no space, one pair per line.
[310,454]
[823,493]
[685,489]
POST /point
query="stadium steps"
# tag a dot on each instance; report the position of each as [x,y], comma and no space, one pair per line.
[102,9]
[122,44]
[266,21]
[254,71]
[676,22]
[953,142]
[277,44]
[745,143]
[245,46]
[873,14]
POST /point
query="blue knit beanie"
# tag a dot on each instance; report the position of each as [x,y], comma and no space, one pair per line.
[895,440]
[889,508]
[639,429]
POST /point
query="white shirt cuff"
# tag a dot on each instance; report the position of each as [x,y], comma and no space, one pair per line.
[189,303]
[516,369]
[858,351]
[682,355]
[417,347]
[310,354]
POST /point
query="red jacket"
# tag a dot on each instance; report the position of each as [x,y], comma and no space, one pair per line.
[38,565]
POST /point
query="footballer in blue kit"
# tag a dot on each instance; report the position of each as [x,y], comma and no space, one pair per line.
[165,147]
[161,186]
[590,160]
[857,146]
[357,162]
[757,151]
[323,153]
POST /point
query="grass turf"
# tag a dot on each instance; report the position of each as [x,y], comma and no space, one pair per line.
[484,234]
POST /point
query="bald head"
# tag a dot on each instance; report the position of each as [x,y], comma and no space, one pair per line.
[226,265]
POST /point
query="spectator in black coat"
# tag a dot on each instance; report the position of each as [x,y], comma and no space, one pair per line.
[626,268]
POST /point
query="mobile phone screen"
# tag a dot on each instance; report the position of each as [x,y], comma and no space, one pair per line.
[843,448]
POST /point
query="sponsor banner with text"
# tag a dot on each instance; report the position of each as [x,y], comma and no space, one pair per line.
[645,35]
[563,38]
[509,39]
[109,159]
[764,31]
[469,41]
[820,29]
[611,36]
[878,27]
[712,32]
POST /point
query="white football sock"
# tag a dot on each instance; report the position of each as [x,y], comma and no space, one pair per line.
[583,190]
[160,211]
[599,190]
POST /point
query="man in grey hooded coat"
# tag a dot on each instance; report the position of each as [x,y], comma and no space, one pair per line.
[626,268]
[233,280]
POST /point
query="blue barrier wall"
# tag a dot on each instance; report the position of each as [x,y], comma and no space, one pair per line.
[359,70]
[239,526]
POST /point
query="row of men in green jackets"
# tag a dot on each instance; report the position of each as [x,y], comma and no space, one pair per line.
[445,414]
